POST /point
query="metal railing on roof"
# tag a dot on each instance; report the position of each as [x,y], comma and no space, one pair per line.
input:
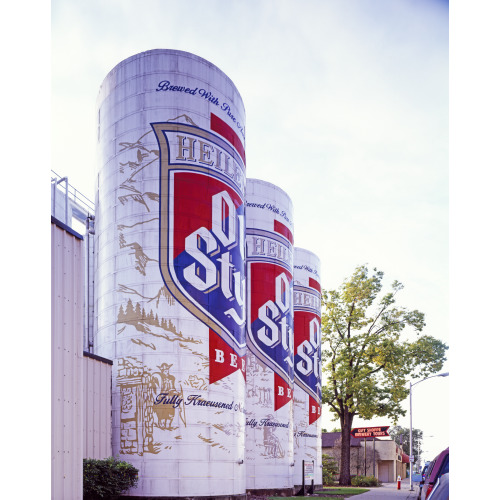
[73,195]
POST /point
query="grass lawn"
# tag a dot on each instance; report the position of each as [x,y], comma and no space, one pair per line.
[334,490]
[328,493]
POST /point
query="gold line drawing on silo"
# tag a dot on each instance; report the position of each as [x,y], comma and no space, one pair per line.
[225,428]
[140,342]
[212,443]
[260,394]
[272,444]
[137,144]
[140,257]
[126,146]
[139,387]
[136,414]
[145,322]
[163,292]
[295,434]
[139,197]
[124,226]
[142,153]
[186,118]
[197,382]
[165,412]
[299,426]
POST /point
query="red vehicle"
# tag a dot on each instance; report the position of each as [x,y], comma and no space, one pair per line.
[438,467]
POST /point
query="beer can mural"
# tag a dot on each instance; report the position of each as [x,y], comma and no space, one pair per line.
[307,361]
[170,275]
[269,392]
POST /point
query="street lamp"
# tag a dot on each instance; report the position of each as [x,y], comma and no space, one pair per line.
[412,458]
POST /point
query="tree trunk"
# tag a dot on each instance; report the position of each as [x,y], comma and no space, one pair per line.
[345,451]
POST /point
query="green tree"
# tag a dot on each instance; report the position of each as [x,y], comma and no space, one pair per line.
[402,436]
[365,360]
[330,470]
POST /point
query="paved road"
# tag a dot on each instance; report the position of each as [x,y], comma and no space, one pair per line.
[390,490]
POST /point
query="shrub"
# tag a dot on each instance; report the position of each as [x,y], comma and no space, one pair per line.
[107,478]
[330,470]
[364,481]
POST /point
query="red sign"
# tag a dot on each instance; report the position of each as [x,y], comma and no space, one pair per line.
[368,432]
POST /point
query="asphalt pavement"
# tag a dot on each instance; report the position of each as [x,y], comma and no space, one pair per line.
[390,490]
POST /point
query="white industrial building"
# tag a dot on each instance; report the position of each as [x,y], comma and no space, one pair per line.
[81,381]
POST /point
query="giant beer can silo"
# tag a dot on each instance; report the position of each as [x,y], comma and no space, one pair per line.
[170,276]
[307,361]
[269,392]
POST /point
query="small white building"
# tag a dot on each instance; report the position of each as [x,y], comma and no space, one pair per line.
[81,382]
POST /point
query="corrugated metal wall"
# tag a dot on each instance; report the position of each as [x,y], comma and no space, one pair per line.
[67,359]
[97,407]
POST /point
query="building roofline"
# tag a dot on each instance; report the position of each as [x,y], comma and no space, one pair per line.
[60,224]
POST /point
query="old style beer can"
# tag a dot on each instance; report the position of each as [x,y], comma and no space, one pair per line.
[269,391]
[170,273]
[307,362]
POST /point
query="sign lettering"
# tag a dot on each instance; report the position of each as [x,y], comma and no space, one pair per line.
[361,432]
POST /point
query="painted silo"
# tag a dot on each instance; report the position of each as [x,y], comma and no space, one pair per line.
[170,276]
[269,391]
[307,361]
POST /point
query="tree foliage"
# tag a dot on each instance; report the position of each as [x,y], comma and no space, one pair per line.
[365,359]
[330,470]
[402,436]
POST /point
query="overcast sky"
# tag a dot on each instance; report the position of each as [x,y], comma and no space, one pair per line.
[346,110]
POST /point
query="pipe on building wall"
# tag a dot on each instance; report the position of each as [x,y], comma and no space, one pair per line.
[90,283]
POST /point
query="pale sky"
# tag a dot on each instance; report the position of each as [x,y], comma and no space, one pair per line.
[346,110]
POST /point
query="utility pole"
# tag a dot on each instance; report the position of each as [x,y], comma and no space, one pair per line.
[373,456]
[365,456]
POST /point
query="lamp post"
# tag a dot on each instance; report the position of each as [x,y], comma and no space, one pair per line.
[412,458]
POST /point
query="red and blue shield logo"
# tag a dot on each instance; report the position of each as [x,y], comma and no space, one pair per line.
[307,352]
[270,309]
[202,234]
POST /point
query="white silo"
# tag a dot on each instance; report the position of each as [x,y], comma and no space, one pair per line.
[307,382]
[170,276]
[269,243]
